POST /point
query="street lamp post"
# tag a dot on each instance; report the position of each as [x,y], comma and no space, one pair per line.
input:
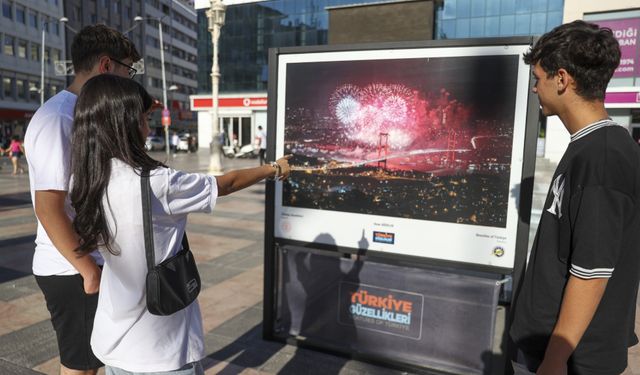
[164,77]
[41,89]
[215,15]
[42,69]
[65,21]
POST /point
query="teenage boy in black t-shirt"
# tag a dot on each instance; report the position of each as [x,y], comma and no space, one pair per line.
[576,311]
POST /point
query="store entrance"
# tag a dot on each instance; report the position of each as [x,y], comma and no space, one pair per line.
[238,131]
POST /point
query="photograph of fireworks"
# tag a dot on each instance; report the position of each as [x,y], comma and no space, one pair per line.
[420,138]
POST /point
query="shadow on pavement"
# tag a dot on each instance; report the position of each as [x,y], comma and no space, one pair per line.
[16,257]
[12,201]
[248,351]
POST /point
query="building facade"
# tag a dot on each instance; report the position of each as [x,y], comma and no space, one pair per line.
[179,40]
[494,18]
[623,94]
[22,24]
[180,56]
[252,27]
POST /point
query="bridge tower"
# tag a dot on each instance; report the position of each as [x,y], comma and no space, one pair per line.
[451,147]
[383,149]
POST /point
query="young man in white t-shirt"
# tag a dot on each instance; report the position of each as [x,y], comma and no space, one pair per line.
[69,282]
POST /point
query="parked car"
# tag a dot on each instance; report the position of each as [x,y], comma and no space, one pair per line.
[154,143]
[183,143]
[187,142]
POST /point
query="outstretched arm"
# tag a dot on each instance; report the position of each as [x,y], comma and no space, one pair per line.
[579,303]
[242,178]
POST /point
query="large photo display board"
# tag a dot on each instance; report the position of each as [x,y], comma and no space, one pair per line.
[415,151]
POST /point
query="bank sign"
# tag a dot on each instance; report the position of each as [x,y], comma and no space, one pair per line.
[627,33]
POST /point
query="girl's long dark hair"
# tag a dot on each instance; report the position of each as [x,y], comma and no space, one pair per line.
[108,118]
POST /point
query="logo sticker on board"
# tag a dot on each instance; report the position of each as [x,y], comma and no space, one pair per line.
[384,237]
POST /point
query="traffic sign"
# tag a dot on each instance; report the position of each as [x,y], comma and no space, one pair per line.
[63,68]
[166,117]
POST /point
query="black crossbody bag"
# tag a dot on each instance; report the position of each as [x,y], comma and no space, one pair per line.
[175,283]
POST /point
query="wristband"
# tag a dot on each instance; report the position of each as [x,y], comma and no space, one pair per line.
[278,169]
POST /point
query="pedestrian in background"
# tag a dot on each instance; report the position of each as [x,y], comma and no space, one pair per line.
[174,142]
[69,282]
[261,139]
[576,311]
[16,150]
[107,199]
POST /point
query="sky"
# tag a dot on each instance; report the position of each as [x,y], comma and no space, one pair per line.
[484,83]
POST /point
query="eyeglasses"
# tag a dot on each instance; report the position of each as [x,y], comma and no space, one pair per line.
[132,71]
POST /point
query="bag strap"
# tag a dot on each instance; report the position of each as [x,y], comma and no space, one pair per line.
[149,249]
[146,219]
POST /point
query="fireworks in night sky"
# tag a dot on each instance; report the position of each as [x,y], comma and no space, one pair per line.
[416,138]
[376,108]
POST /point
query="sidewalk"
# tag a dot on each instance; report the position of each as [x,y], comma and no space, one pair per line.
[228,246]
[229,249]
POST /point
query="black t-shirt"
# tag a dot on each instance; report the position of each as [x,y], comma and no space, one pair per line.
[590,228]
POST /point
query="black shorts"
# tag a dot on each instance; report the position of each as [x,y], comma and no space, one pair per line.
[72,312]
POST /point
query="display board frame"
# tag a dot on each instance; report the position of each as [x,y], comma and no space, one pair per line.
[527,118]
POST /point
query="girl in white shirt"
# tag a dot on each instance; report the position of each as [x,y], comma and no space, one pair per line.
[109,131]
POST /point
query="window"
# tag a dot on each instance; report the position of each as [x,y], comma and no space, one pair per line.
[55,28]
[33,87]
[45,23]
[21,88]
[35,52]
[33,20]
[153,41]
[22,49]
[47,55]
[77,14]
[9,45]
[7,87]
[55,54]
[6,9]
[20,15]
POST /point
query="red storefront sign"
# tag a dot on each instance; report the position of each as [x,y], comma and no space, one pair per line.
[249,102]
[15,114]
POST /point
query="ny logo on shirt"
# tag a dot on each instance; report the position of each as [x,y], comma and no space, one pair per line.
[558,191]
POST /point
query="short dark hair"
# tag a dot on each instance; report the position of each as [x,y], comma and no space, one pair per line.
[94,41]
[588,52]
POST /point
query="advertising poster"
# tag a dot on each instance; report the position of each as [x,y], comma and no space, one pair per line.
[627,32]
[416,152]
[421,317]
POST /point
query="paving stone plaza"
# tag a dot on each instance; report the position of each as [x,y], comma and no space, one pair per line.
[229,250]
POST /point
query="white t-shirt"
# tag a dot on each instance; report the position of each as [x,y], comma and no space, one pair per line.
[47,145]
[263,138]
[125,334]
